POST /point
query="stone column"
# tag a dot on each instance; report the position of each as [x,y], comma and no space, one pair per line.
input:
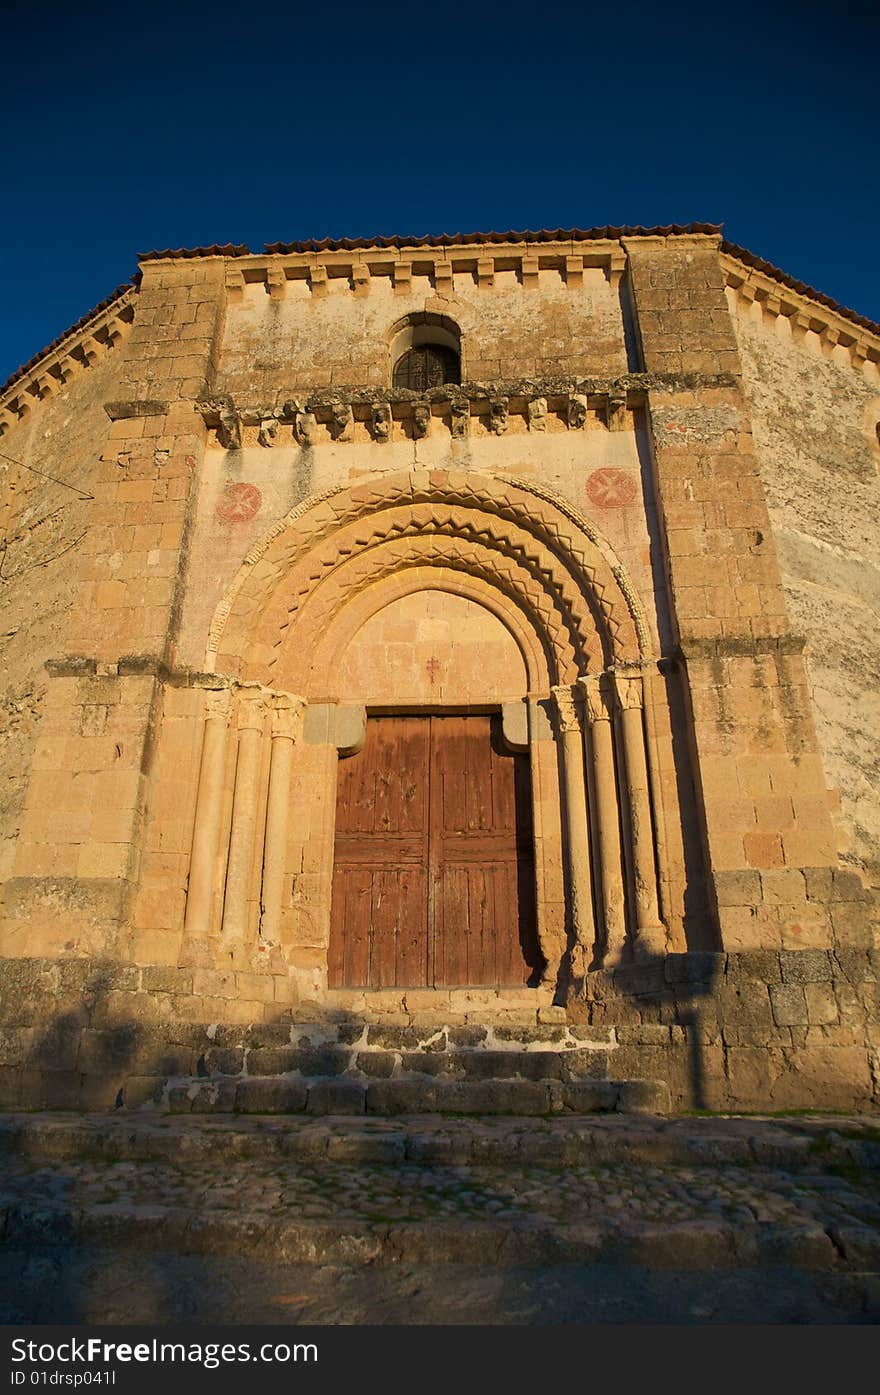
[286,723]
[209,811]
[577,841]
[599,707]
[251,716]
[650,934]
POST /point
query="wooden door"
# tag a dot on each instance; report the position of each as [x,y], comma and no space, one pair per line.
[433,878]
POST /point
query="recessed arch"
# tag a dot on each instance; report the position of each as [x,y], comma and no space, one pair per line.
[554,559]
[314,675]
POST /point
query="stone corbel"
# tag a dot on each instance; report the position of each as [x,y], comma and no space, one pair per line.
[380,418]
[268,431]
[402,278]
[460,409]
[616,267]
[577,411]
[341,422]
[443,278]
[305,428]
[529,271]
[615,409]
[92,349]
[574,271]
[800,326]
[229,429]
[318,280]
[499,411]
[360,278]
[234,284]
[421,420]
[276,283]
[485,272]
[537,414]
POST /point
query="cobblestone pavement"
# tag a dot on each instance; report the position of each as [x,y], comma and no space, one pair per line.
[377,1193]
[371,1210]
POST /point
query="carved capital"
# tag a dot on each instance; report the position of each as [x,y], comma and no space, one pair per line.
[630,692]
[287,716]
[251,712]
[568,709]
[217,705]
[599,698]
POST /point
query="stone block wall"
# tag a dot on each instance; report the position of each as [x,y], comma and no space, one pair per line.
[616,388]
[758,1031]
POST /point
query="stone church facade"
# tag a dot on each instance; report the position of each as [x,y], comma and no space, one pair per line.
[458,650]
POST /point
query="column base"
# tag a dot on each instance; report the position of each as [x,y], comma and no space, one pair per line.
[650,942]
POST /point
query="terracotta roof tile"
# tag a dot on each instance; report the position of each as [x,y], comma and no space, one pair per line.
[353,244]
[229,249]
[72,329]
[742,254]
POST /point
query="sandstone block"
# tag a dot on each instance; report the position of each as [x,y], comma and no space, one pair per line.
[789,1005]
[337,1097]
[270,1096]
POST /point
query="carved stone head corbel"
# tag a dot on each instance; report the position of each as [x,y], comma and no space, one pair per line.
[341,421]
[421,419]
[499,409]
[380,418]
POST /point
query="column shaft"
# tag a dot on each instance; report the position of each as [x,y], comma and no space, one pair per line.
[244,823]
[209,810]
[285,725]
[577,842]
[606,823]
[650,934]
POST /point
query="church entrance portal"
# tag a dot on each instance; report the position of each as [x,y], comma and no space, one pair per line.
[433,880]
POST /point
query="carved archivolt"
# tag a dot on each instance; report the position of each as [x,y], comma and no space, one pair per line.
[523,541]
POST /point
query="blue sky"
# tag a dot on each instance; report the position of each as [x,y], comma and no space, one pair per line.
[131,128]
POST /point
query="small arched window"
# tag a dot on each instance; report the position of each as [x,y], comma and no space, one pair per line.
[427,366]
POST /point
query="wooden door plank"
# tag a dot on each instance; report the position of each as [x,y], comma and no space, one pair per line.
[412,928]
[383,928]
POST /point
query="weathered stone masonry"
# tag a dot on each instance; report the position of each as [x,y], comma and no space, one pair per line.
[252,541]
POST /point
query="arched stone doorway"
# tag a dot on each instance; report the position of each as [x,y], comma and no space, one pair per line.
[551,644]
[433,876]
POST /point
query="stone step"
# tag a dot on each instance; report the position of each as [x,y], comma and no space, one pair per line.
[475,1063]
[706,1244]
[794,1144]
[418,1094]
